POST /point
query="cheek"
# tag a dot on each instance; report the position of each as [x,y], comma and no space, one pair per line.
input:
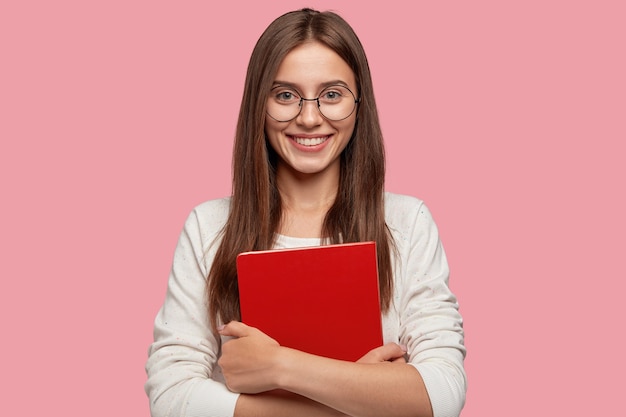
[348,127]
[271,134]
[271,126]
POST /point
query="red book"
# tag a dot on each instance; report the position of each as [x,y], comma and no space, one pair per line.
[322,300]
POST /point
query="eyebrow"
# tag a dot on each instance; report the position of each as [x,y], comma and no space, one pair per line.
[278,83]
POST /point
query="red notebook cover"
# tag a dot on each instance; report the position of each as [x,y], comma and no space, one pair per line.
[322,300]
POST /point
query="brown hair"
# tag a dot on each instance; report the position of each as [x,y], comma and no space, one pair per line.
[255,207]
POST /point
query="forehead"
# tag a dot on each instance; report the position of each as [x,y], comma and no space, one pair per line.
[312,65]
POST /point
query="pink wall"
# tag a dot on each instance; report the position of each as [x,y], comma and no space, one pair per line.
[508,120]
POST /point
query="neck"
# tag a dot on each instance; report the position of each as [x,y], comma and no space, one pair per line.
[307,191]
[306,198]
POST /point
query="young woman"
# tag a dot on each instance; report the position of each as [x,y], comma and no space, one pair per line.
[308,170]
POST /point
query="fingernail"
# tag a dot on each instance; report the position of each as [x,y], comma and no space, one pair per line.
[403,347]
[221,327]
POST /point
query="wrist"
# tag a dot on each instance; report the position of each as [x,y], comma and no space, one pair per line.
[285,362]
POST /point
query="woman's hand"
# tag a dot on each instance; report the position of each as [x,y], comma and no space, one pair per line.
[391,352]
[249,362]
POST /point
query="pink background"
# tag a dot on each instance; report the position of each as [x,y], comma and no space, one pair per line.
[507,118]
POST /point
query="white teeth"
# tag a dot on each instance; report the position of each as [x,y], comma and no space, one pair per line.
[310,142]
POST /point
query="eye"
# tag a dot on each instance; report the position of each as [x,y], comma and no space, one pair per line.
[286,96]
[333,94]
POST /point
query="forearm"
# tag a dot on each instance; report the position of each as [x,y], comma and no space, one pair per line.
[280,403]
[356,389]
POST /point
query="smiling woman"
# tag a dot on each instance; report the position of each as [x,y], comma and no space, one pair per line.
[309,142]
[308,170]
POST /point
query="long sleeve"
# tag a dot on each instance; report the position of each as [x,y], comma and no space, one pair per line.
[183,377]
[429,322]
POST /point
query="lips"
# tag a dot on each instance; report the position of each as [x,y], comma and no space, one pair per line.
[310,141]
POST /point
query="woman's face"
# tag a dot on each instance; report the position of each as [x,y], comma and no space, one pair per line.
[311,143]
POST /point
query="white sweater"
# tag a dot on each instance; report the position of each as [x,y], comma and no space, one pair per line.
[184,379]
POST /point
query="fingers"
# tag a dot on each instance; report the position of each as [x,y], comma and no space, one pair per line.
[401,359]
[395,350]
[390,352]
[234,329]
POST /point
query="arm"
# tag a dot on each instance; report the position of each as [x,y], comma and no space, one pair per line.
[431,326]
[253,362]
[281,404]
[183,379]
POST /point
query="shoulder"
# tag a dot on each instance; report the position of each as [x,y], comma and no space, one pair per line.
[213,211]
[400,202]
[406,215]
[206,220]
[400,208]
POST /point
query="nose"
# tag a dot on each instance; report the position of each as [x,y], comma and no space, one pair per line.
[310,113]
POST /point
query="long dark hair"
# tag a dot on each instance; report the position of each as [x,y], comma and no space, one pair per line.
[255,207]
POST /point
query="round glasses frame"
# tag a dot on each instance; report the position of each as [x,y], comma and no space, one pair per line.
[319,107]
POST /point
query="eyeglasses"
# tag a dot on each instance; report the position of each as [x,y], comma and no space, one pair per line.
[335,103]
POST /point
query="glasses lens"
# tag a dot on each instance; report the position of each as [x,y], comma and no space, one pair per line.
[283,103]
[335,103]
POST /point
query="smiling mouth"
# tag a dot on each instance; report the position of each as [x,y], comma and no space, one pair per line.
[310,141]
